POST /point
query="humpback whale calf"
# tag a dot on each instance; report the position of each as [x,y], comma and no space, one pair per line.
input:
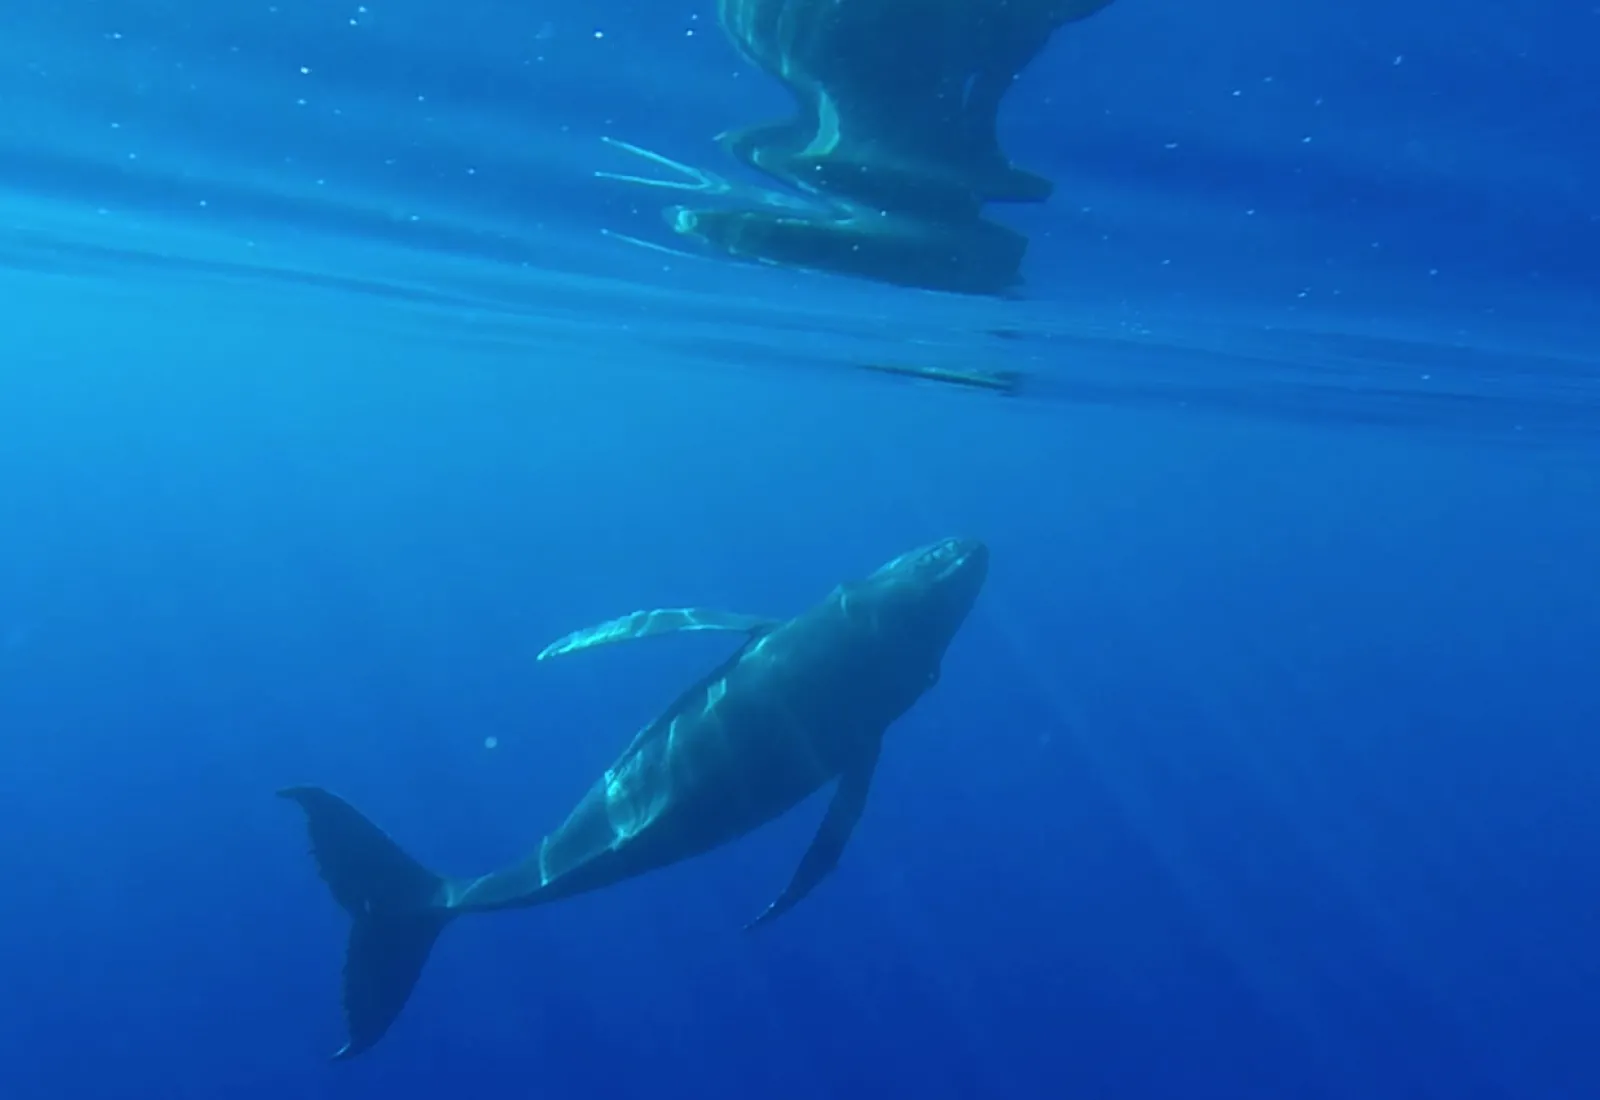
[801,703]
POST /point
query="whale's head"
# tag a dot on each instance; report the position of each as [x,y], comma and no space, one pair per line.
[920,599]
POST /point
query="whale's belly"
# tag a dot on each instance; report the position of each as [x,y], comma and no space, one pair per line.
[734,754]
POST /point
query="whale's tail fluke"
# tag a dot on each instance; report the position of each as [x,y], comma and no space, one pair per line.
[396,906]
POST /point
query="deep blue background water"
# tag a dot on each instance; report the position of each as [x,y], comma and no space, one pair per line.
[1265,767]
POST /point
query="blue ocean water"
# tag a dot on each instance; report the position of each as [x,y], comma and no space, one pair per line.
[330,392]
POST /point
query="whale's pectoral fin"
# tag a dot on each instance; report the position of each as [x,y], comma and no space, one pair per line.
[849,799]
[689,178]
[647,624]
[395,905]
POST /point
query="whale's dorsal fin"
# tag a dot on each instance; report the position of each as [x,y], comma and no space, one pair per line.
[849,799]
[662,620]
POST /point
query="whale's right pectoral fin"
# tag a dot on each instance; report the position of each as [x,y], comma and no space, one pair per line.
[647,624]
[849,799]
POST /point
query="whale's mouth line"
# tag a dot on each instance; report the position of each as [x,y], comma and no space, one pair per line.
[952,556]
[953,565]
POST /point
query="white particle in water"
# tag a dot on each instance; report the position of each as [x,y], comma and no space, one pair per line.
[491,742]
